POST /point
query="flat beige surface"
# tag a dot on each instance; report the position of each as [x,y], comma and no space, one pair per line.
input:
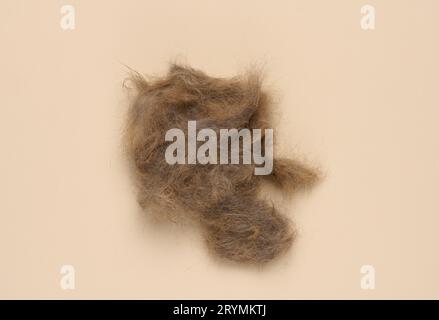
[363,104]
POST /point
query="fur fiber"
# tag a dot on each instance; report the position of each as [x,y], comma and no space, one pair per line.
[238,224]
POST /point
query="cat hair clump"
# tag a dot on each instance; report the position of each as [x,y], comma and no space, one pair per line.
[224,199]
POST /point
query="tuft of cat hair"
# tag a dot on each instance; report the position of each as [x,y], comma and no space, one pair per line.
[224,199]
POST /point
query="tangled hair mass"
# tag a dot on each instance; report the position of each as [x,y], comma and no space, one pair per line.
[224,199]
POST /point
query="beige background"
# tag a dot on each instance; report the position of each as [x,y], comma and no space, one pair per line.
[363,104]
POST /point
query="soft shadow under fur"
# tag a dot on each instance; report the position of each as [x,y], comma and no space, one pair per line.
[237,223]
